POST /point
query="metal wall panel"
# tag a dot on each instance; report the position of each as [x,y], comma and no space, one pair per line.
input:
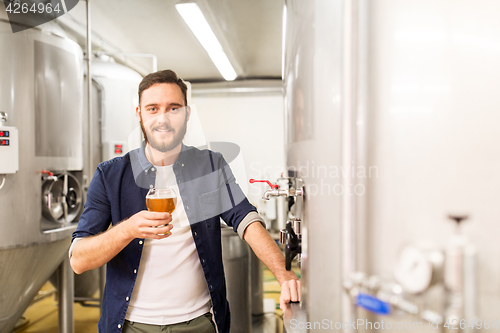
[57,103]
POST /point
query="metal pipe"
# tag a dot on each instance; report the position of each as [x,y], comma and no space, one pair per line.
[101,95]
[469,279]
[72,24]
[66,296]
[89,91]
[43,295]
[130,54]
[226,91]
[349,89]
[275,193]
[102,283]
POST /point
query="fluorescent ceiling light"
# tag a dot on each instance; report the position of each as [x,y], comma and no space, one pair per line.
[196,21]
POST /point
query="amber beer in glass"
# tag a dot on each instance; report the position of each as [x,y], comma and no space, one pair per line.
[161,200]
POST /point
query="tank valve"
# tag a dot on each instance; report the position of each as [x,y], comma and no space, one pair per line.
[290,236]
[296,227]
[458,220]
[292,242]
[283,236]
[273,186]
[47,175]
[276,192]
[3,117]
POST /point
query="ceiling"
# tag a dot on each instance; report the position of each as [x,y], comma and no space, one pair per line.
[250,31]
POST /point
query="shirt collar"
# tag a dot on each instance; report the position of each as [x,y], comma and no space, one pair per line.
[146,165]
[142,159]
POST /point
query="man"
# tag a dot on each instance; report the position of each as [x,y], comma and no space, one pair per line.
[165,271]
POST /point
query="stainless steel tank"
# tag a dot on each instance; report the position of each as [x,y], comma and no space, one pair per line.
[408,144]
[41,87]
[115,132]
[116,100]
[312,75]
[235,257]
[257,284]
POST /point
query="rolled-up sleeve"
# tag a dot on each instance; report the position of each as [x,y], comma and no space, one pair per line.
[249,219]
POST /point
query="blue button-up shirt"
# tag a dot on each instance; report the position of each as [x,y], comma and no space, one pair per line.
[209,192]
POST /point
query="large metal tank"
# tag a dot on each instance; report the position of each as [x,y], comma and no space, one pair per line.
[41,87]
[115,131]
[312,74]
[434,135]
[236,260]
[116,98]
[391,121]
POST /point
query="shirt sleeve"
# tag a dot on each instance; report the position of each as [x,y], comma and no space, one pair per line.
[73,243]
[96,216]
[234,205]
[249,219]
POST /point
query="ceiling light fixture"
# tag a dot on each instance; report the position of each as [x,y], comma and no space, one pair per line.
[196,21]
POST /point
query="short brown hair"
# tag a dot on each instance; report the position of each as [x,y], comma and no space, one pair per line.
[165,76]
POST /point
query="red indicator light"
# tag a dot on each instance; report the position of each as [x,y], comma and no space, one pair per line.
[3,143]
[1,133]
[118,151]
[118,146]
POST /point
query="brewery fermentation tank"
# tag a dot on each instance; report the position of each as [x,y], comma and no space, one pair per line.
[115,99]
[236,260]
[41,89]
[313,136]
[390,131]
[115,131]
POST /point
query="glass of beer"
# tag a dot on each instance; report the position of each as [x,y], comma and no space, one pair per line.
[161,200]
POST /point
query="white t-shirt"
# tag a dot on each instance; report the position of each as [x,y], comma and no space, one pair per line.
[170,286]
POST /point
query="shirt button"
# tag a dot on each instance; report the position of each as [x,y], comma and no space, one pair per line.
[215,312]
[211,288]
[152,169]
[127,299]
[187,207]
[195,233]
[182,164]
[135,271]
[151,186]
[119,326]
[140,242]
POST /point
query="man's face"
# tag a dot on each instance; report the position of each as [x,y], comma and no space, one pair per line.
[163,116]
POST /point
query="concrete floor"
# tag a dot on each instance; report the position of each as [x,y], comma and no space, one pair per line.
[42,317]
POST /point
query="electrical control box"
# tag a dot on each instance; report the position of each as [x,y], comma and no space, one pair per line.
[9,150]
[114,149]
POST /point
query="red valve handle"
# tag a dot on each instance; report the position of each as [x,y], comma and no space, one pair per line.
[48,173]
[264,181]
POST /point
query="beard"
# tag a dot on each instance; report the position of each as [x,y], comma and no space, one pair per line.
[164,145]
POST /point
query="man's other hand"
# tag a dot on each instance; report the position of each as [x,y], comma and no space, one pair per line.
[290,292]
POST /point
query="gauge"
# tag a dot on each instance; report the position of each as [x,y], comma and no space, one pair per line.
[413,270]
